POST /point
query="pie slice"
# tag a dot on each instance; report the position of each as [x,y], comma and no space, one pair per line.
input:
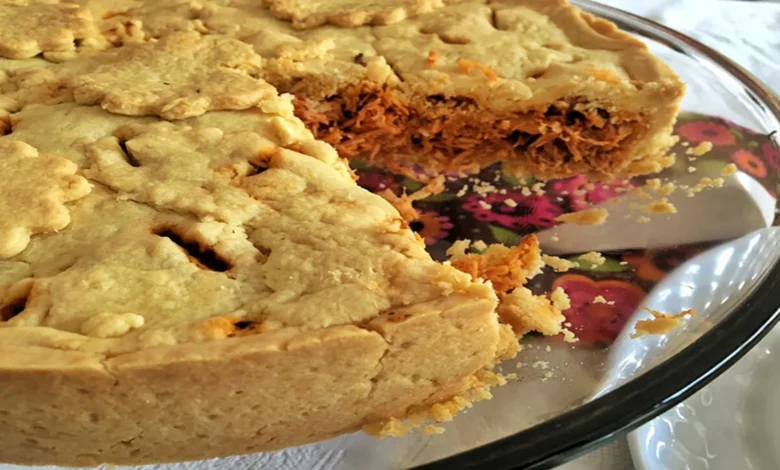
[224,288]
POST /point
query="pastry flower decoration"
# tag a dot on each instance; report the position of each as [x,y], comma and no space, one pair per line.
[33,194]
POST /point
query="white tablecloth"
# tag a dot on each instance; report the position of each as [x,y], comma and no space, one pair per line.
[746,32]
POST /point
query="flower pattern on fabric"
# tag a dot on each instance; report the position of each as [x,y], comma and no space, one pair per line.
[704,131]
[771,155]
[529,212]
[644,267]
[749,162]
[376,182]
[448,216]
[595,322]
[653,265]
[432,226]
[576,191]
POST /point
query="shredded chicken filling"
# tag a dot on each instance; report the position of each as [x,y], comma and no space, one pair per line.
[455,134]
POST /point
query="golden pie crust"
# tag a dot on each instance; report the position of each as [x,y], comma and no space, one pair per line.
[187,266]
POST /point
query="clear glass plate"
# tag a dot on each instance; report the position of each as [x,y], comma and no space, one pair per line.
[719,255]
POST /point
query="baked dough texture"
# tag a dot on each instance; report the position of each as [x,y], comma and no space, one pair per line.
[544,88]
[216,293]
[187,266]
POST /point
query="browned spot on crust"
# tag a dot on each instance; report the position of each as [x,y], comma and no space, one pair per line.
[603,75]
[219,327]
[203,257]
[252,327]
[433,57]
[13,309]
[467,66]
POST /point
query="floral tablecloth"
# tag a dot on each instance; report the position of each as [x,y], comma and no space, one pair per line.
[626,277]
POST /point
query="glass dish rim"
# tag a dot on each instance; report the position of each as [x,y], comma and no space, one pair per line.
[573,433]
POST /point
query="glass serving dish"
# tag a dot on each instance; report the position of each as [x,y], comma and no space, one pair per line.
[719,255]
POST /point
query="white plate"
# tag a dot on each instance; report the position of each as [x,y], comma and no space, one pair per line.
[731,424]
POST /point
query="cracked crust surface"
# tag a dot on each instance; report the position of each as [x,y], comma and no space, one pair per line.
[228,256]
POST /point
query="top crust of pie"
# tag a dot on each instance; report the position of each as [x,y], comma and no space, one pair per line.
[544,88]
[548,50]
[292,240]
[229,258]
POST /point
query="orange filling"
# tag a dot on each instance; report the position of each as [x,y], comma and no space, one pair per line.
[455,134]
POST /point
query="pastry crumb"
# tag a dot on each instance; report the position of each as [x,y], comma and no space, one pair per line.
[691,169]
[661,206]
[705,183]
[538,188]
[541,365]
[392,427]
[729,169]
[479,245]
[560,300]
[510,202]
[559,265]
[643,219]
[506,268]
[661,323]
[667,189]
[526,312]
[594,216]
[483,187]
[653,183]
[458,248]
[569,336]
[701,149]
[594,257]
[599,299]
[431,430]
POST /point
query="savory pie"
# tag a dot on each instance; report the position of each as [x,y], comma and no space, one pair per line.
[187,266]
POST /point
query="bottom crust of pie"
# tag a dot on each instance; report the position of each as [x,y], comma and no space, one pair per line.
[454,134]
[241,395]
